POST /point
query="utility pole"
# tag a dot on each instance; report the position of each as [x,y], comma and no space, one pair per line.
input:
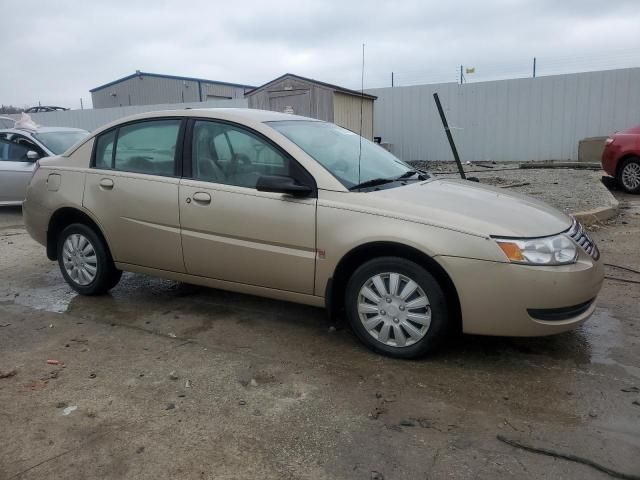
[81,106]
[534,67]
[461,77]
[392,79]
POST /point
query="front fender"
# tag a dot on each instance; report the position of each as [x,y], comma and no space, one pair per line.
[340,231]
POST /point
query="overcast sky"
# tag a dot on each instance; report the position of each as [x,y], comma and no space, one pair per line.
[54,52]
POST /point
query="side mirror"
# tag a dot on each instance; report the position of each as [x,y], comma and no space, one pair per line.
[282,184]
[32,156]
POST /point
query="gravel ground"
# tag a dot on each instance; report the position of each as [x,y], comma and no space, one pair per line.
[570,190]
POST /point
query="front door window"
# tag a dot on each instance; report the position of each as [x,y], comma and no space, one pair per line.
[231,155]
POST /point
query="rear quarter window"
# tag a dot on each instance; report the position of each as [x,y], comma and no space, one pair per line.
[104,150]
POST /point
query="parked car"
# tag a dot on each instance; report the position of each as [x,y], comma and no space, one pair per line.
[19,150]
[297,209]
[45,108]
[621,159]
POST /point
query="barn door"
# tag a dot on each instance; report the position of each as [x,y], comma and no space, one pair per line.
[297,102]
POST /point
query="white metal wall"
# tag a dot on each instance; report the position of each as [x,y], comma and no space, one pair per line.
[508,120]
[92,119]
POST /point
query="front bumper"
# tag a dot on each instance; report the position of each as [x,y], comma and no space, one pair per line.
[506,299]
[610,159]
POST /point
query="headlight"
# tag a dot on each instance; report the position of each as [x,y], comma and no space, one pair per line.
[556,250]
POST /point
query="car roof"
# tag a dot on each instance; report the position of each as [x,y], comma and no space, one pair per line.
[41,130]
[247,114]
[241,115]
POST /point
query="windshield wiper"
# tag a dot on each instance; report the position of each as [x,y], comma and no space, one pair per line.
[407,174]
[372,183]
[411,173]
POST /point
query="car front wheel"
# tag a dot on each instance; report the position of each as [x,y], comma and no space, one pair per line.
[85,261]
[396,307]
[629,175]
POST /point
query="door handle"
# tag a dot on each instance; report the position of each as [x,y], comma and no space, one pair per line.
[202,198]
[106,183]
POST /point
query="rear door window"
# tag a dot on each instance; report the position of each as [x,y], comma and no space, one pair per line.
[142,147]
[146,147]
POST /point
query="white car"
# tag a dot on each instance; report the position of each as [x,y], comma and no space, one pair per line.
[20,148]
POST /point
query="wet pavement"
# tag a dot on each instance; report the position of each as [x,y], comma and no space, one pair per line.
[177,381]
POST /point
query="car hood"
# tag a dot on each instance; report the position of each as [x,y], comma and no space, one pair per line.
[470,207]
[630,131]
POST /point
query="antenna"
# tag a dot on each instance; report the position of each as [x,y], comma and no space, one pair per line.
[361,103]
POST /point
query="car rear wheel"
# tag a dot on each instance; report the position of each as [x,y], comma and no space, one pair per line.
[396,307]
[629,175]
[85,262]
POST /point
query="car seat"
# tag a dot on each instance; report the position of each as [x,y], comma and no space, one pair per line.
[207,167]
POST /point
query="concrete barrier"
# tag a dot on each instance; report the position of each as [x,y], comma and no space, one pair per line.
[590,149]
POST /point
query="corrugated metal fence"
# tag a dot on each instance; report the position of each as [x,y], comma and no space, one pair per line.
[508,120]
[92,119]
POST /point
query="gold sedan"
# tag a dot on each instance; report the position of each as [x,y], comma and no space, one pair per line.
[297,209]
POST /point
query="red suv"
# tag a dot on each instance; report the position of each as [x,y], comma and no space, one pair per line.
[621,158]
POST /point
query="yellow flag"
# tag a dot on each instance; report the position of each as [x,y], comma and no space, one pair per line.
[471,70]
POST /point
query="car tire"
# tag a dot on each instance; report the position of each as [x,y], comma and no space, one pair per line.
[629,175]
[85,262]
[409,319]
[115,279]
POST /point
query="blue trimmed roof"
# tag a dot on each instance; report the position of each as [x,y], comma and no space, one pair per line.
[173,77]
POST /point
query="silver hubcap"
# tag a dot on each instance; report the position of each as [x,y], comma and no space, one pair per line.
[79,258]
[394,309]
[631,175]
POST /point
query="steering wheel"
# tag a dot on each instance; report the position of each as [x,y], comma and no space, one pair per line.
[237,159]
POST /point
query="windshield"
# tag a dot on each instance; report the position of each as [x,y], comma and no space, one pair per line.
[338,150]
[59,142]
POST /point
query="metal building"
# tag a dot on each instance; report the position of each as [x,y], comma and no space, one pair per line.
[142,88]
[310,98]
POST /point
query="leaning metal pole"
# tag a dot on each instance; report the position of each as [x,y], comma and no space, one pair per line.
[449,136]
